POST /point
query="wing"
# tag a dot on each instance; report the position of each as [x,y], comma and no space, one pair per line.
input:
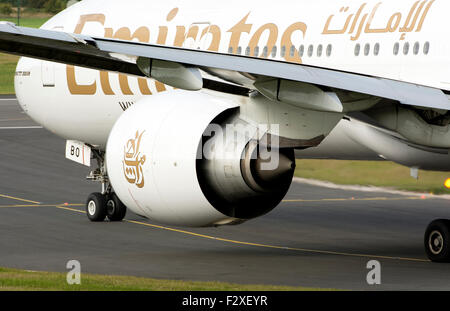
[122,56]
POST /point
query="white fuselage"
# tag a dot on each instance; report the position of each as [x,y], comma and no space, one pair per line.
[403,40]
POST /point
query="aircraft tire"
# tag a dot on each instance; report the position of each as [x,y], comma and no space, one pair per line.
[96,207]
[115,209]
[437,240]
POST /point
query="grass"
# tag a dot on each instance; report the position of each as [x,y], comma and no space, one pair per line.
[20,280]
[34,22]
[382,174]
[8,63]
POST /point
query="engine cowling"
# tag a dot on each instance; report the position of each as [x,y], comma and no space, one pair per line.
[187,159]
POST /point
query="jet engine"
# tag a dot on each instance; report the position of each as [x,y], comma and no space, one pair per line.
[188,159]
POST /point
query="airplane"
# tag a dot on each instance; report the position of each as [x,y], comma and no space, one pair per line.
[196,111]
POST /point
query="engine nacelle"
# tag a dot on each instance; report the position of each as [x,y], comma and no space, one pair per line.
[425,128]
[186,158]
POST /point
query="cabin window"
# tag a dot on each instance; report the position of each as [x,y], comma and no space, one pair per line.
[283,51]
[256,51]
[406,48]
[329,50]
[301,50]
[367,49]
[319,50]
[426,48]
[396,48]
[357,49]
[266,52]
[376,49]
[416,48]
[239,50]
[274,51]
[310,50]
[230,50]
[292,51]
[247,51]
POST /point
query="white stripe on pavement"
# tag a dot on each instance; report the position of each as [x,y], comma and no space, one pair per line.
[21,127]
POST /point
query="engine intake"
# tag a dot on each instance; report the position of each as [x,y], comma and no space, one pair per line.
[250,182]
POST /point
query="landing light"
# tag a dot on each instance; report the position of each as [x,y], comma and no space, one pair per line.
[447,183]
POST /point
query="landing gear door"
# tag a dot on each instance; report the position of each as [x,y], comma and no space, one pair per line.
[48,74]
[197,36]
[78,152]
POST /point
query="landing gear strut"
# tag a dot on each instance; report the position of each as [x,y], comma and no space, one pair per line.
[104,204]
[437,241]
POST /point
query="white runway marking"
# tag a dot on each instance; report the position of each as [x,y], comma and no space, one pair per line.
[21,127]
[8,99]
[330,185]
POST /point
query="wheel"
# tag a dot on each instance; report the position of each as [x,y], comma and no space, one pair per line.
[96,207]
[437,241]
[115,209]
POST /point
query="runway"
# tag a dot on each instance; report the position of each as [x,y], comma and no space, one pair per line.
[318,237]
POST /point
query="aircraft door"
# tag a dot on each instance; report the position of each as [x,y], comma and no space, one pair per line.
[48,74]
[48,68]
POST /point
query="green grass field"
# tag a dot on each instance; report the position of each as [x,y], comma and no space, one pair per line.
[382,174]
[19,280]
[34,22]
[8,65]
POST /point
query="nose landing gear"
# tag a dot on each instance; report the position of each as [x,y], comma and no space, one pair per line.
[105,204]
[437,241]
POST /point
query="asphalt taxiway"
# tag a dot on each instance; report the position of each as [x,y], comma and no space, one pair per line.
[318,237]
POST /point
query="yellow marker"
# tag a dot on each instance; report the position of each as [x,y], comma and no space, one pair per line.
[447,183]
[18,199]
